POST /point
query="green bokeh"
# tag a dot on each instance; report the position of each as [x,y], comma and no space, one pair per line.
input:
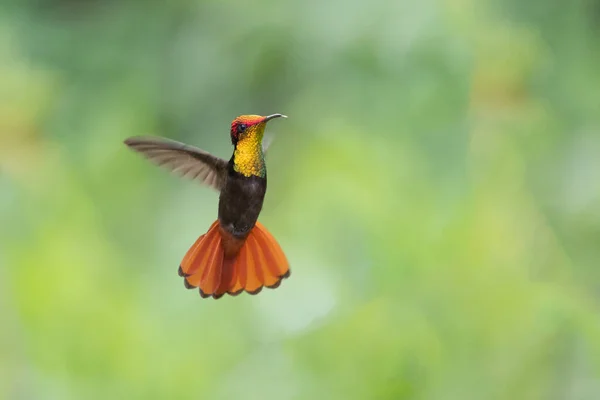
[436,189]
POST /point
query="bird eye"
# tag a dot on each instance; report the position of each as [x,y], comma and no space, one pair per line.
[241,128]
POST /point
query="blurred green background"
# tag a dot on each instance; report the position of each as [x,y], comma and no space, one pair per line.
[436,189]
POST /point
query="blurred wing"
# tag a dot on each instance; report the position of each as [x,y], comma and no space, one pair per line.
[182,159]
[267,141]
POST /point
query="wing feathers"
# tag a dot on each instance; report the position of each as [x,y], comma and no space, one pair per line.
[182,159]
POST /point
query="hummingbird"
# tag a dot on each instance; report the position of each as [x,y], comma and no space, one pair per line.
[237,253]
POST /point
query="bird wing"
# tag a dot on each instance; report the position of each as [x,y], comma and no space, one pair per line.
[267,141]
[182,159]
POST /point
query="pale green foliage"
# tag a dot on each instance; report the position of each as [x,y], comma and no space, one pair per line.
[436,189]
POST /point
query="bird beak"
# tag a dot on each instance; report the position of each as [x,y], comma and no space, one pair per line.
[270,117]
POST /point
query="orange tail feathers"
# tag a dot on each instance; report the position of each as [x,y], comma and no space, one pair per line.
[259,263]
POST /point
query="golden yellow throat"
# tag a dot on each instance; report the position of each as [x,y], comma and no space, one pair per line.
[248,158]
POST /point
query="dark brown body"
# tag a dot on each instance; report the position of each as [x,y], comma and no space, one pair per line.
[240,204]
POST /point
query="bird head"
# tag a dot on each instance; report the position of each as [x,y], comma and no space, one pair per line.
[250,126]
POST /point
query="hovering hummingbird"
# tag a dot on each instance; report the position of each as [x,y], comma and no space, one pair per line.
[237,253]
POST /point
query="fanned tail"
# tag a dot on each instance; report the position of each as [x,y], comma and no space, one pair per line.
[259,262]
